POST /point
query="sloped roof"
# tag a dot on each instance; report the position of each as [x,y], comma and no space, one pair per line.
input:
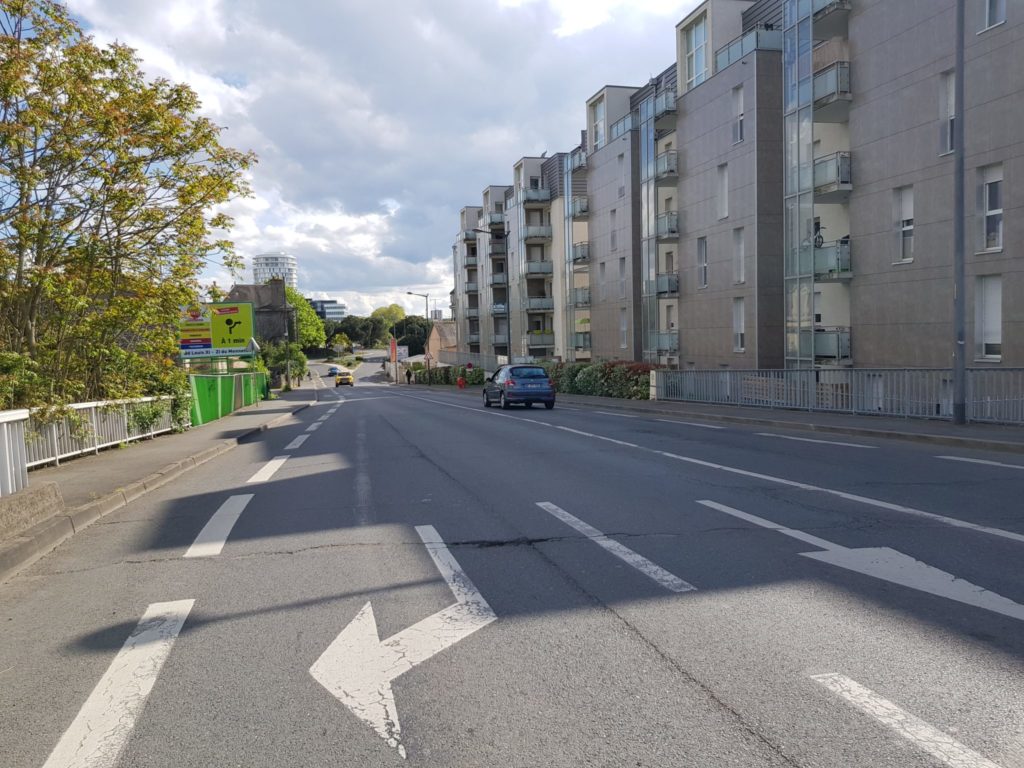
[446,335]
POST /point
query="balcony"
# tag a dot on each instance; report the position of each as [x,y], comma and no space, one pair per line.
[832,261]
[497,249]
[499,309]
[493,219]
[581,253]
[830,18]
[664,342]
[468,235]
[579,207]
[581,340]
[666,166]
[831,345]
[665,111]
[622,126]
[539,339]
[538,304]
[666,226]
[832,95]
[533,198]
[472,311]
[499,278]
[499,338]
[833,181]
[472,287]
[756,39]
[536,232]
[666,284]
[577,160]
[472,338]
[581,297]
[471,261]
[539,268]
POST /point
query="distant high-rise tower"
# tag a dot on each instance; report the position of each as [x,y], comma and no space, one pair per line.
[278,264]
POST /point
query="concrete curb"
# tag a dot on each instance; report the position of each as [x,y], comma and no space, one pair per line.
[23,550]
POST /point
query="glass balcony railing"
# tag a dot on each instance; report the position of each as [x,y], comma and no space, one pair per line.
[539,267]
[831,345]
[666,283]
[667,224]
[472,287]
[579,207]
[833,170]
[536,195]
[665,104]
[536,232]
[581,297]
[664,341]
[832,82]
[581,340]
[468,234]
[539,339]
[499,278]
[832,260]
[473,338]
[580,253]
[538,303]
[494,218]
[666,164]
[499,338]
[497,248]
[577,160]
[763,39]
[473,312]
[499,309]
[471,261]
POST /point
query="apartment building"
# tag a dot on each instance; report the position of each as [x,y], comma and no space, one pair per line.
[467,307]
[491,245]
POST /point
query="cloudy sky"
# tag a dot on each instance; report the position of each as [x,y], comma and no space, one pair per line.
[375,121]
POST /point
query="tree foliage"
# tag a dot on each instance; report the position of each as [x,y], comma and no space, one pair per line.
[109,190]
[309,328]
[414,331]
[391,314]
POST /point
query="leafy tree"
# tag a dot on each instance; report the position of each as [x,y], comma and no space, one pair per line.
[109,185]
[415,331]
[309,328]
[390,314]
[277,356]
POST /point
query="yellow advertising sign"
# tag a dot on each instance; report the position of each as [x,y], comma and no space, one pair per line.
[232,327]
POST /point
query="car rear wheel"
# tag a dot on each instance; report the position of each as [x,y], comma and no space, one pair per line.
[504,402]
[487,401]
[549,406]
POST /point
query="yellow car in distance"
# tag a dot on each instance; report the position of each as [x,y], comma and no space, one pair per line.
[344,377]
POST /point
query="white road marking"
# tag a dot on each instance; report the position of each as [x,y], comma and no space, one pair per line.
[363,485]
[889,565]
[357,667]
[268,469]
[620,415]
[950,521]
[210,540]
[809,440]
[690,423]
[928,739]
[646,567]
[97,735]
[982,461]
[325,417]
[313,427]
[297,442]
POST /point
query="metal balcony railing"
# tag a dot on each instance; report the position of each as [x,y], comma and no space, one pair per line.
[499,338]
[664,341]
[756,39]
[494,219]
[831,346]
[581,340]
[667,224]
[539,268]
[536,195]
[579,207]
[666,283]
[473,287]
[473,338]
[468,234]
[471,261]
[497,248]
[580,253]
[539,339]
[577,160]
[666,164]
[537,232]
[499,309]
[833,171]
[472,311]
[833,260]
[499,278]
[538,303]
[581,297]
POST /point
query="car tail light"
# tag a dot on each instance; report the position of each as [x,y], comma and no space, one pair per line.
[510,383]
[549,384]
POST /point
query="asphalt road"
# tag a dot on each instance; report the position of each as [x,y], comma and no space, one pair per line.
[423,581]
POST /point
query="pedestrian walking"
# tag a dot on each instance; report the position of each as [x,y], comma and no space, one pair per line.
[408,376]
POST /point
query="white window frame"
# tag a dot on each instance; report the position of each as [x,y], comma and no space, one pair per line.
[737,109]
[601,279]
[739,323]
[904,204]
[613,231]
[723,191]
[702,262]
[988,317]
[990,176]
[947,113]
[622,277]
[623,329]
[739,257]
[995,13]
[696,48]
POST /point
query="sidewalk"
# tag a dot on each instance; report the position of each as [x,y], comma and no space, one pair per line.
[85,489]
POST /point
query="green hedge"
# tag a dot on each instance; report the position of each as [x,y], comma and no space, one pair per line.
[449,375]
[620,378]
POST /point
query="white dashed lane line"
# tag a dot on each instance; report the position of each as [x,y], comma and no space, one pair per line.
[211,539]
[982,461]
[810,440]
[268,469]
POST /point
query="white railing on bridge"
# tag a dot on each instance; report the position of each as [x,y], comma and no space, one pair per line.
[27,440]
[993,395]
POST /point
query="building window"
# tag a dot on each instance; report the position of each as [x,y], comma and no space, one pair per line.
[991,205]
[535,182]
[670,316]
[947,112]
[600,279]
[723,190]
[904,203]
[737,111]
[623,329]
[613,234]
[597,123]
[696,52]
[988,317]
[995,12]
[670,261]
[739,322]
[702,262]
[622,277]
[739,267]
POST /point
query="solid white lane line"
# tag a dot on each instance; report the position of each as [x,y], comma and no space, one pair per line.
[928,739]
[620,415]
[313,427]
[690,423]
[298,441]
[646,567]
[809,440]
[596,437]
[99,732]
[982,461]
[268,469]
[210,540]
[805,537]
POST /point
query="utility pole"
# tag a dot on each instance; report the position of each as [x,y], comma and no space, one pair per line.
[959,345]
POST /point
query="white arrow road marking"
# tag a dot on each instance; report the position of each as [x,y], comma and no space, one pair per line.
[268,469]
[646,567]
[99,732]
[210,540]
[358,667]
[982,461]
[890,565]
[297,442]
[928,739]
[810,440]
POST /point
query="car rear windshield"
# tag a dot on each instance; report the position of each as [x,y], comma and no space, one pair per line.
[529,373]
